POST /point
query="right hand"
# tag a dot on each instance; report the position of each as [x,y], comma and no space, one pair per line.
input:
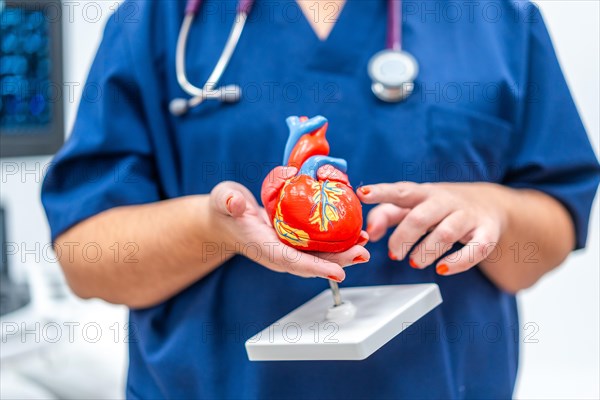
[239,221]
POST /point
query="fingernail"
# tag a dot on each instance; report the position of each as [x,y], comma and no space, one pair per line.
[442,269]
[369,226]
[334,278]
[392,256]
[228,203]
[412,263]
[359,259]
[364,190]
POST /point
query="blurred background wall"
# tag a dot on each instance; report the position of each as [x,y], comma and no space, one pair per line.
[559,316]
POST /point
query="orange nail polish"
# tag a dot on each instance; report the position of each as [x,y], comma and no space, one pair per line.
[369,226]
[442,269]
[359,259]
[412,263]
[334,278]
[364,190]
[228,203]
[392,256]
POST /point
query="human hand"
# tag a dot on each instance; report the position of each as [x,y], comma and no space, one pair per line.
[239,221]
[447,213]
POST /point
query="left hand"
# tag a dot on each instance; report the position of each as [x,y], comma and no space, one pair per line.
[448,213]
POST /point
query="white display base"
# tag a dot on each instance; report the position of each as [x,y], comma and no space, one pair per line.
[371,317]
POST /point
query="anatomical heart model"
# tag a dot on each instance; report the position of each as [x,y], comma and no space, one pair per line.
[315,210]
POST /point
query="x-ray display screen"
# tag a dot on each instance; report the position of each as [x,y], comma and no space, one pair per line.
[31,79]
[25,67]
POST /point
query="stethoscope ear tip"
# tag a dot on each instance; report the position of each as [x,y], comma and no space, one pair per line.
[178,107]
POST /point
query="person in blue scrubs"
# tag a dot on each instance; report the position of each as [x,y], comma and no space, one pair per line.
[489,152]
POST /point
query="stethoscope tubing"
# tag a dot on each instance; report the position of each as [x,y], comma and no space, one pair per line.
[232,93]
[394,27]
[217,73]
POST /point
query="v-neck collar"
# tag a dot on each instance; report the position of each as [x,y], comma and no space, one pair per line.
[343,50]
[306,20]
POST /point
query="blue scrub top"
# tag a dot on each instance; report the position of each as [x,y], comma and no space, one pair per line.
[490,104]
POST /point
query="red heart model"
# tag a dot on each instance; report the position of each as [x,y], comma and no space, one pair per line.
[315,210]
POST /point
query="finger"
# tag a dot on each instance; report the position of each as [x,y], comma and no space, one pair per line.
[363,239]
[252,202]
[402,194]
[383,216]
[452,228]
[277,256]
[228,199]
[415,224]
[282,258]
[355,255]
[477,249]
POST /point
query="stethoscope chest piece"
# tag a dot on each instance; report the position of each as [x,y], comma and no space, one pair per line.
[393,73]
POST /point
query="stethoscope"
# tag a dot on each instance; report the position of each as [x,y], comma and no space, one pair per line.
[392,70]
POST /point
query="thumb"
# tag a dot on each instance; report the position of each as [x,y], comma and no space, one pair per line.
[228,200]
